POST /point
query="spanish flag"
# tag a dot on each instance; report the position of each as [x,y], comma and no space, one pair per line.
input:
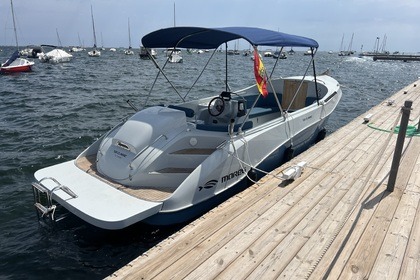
[259,71]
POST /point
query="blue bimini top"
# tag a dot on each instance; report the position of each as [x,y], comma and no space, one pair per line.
[212,38]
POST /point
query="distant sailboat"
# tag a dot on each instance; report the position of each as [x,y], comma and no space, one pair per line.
[349,50]
[15,63]
[173,54]
[94,52]
[129,51]
[78,48]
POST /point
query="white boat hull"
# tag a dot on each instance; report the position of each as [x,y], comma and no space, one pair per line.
[94,53]
[55,56]
[184,154]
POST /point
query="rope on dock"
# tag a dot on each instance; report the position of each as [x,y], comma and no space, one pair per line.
[411,129]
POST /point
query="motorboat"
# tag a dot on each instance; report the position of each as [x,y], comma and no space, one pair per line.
[169,163]
[147,53]
[308,52]
[16,64]
[279,54]
[56,55]
[76,49]
[34,51]
[175,58]
[174,55]
[268,53]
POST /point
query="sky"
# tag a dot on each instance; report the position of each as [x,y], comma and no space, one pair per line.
[327,21]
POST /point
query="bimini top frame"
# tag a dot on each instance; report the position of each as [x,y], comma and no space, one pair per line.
[212,38]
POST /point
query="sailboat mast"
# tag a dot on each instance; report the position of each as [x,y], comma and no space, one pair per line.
[14,24]
[93,25]
[129,34]
[174,15]
[342,41]
[58,38]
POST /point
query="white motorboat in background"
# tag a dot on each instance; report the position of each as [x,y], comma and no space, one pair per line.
[174,55]
[169,164]
[56,55]
[147,53]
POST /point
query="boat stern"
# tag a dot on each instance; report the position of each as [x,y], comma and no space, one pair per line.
[91,199]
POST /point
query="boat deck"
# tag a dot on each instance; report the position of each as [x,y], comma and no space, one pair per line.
[88,164]
[337,221]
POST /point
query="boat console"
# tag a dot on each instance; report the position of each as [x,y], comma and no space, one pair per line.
[223,109]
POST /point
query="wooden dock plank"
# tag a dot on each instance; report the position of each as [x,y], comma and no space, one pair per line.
[175,248]
[279,226]
[337,255]
[336,221]
[364,256]
[274,265]
[411,264]
[392,253]
[308,258]
[410,268]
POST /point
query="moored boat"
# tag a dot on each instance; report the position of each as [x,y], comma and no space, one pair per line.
[129,51]
[168,164]
[94,52]
[147,53]
[56,55]
[15,63]
[174,55]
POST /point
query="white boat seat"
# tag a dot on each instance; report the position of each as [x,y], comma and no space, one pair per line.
[260,111]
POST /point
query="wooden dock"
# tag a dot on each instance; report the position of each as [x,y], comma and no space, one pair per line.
[337,221]
[403,57]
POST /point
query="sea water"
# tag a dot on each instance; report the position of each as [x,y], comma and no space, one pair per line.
[50,115]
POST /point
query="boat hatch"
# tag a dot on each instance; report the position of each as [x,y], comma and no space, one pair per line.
[93,200]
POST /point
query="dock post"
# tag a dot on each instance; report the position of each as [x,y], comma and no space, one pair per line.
[399,146]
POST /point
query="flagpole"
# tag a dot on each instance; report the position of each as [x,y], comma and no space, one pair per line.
[226,67]
[256,55]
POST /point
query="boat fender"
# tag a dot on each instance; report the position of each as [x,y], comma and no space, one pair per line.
[293,172]
[252,177]
[288,154]
[321,135]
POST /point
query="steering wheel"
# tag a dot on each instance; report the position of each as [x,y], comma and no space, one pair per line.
[216,106]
